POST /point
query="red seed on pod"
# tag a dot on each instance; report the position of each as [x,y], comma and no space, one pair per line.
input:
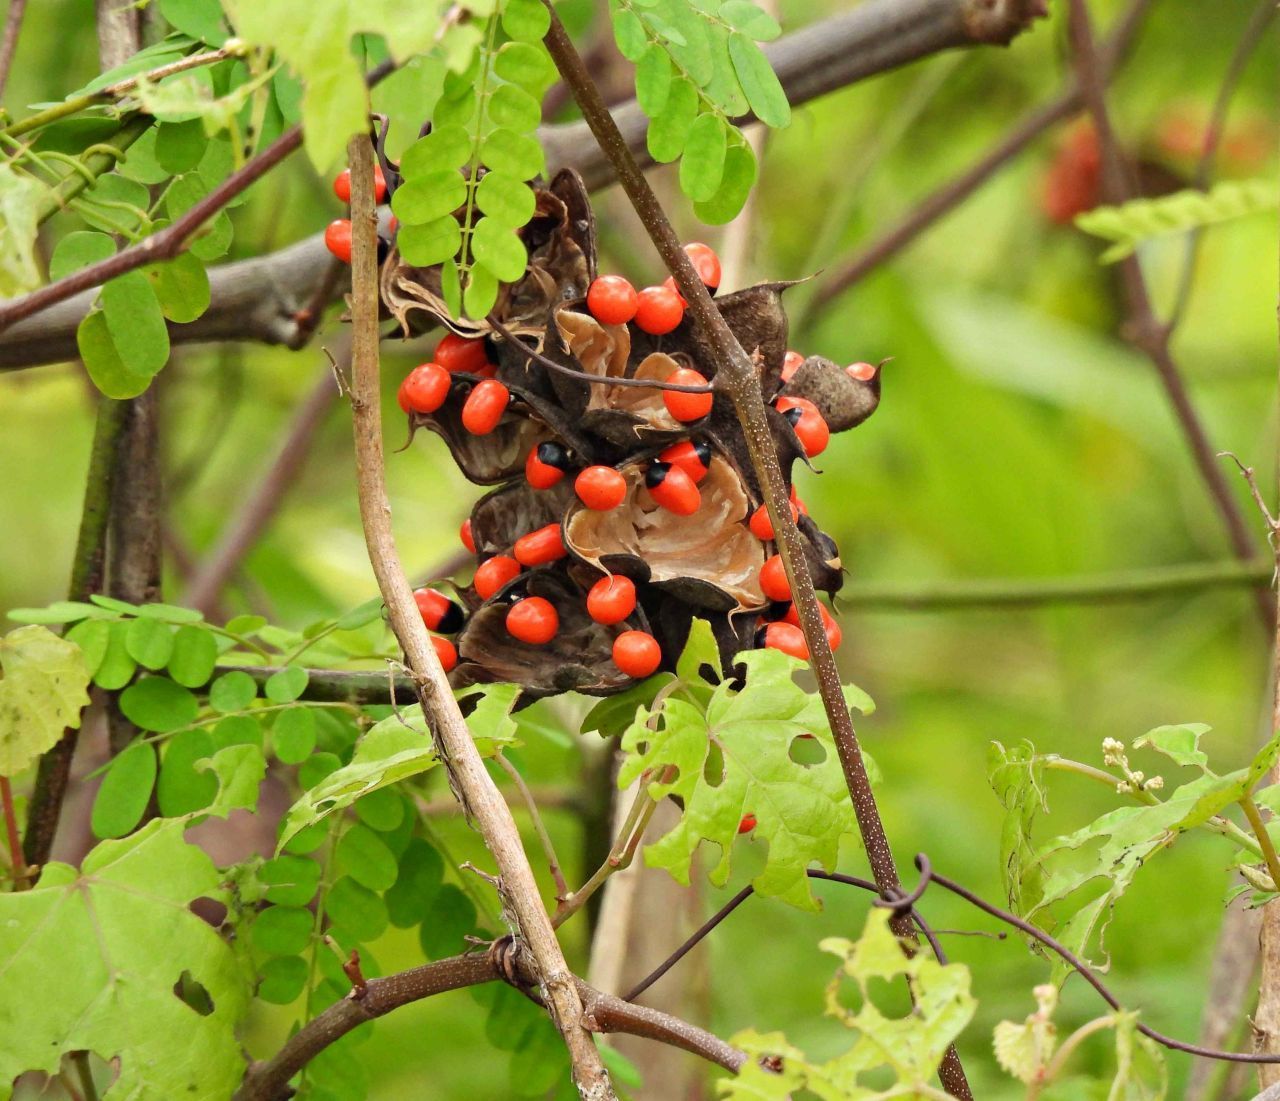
[540,547]
[795,500]
[658,310]
[785,637]
[672,488]
[692,456]
[705,262]
[863,372]
[533,620]
[439,613]
[762,527]
[342,184]
[446,651]
[670,283]
[611,599]
[773,579]
[493,573]
[424,389]
[547,464]
[636,653]
[459,353]
[601,488]
[833,632]
[685,406]
[337,239]
[612,300]
[464,533]
[811,429]
[484,407]
[747,824]
[791,364]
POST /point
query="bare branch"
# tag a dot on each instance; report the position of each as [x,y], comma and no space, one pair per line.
[8,44]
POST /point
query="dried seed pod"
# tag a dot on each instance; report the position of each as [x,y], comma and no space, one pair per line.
[844,401]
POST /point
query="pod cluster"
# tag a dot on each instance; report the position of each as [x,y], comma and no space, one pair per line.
[618,512]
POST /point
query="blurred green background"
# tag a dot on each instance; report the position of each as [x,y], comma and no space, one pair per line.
[1019,437]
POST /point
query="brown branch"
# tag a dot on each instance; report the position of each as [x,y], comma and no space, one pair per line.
[12,28]
[954,192]
[735,375]
[240,535]
[468,777]
[259,299]
[1142,328]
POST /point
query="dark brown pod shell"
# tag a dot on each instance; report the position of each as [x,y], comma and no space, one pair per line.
[843,401]
[510,511]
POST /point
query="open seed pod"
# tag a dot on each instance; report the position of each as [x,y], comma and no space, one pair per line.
[578,659]
[844,401]
[708,559]
[511,510]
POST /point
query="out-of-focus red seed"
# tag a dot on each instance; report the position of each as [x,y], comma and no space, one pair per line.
[637,653]
[791,364]
[533,620]
[337,239]
[460,353]
[611,599]
[785,637]
[834,634]
[762,527]
[424,389]
[540,547]
[601,488]
[612,300]
[484,407]
[773,579]
[446,651]
[863,372]
[693,456]
[342,184]
[464,533]
[685,406]
[670,283]
[547,464]
[439,613]
[811,429]
[705,262]
[747,824]
[672,488]
[658,310]
[795,500]
[493,573]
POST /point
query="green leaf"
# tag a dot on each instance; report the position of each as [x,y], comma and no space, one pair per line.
[512,107]
[283,979]
[692,48]
[156,703]
[180,145]
[735,758]
[744,16]
[669,131]
[629,33]
[447,924]
[355,910]
[419,878]
[382,810]
[245,624]
[238,730]
[481,292]
[93,636]
[282,930]
[1017,776]
[613,714]
[240,770]
[653,80]
[1179,743]
[182,287]
[233,691]
[286,685]
[126,789]
[201,19]
[429,198]
[60,611]
[499,249]
[702,166]
[508,203]
[43,692]
[123,934]
[525,20]
[135,322]
[759,82]
[182,789]
[110,374]
[451,286]
[169,613]
[361,615]
[432,243]
[527,65]
[1024,1050]
[364,856]
[20,198]
[78,250]
[214,238]
[195,653]
[290,880]
[516,155]
[149,642]
[735,186]
[117,667]
[293,736]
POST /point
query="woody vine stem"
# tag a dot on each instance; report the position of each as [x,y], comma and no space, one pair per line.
[736,377]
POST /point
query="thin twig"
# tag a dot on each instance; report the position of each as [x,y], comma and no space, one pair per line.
[12,838]
[539,827]
[1259,828]
[9,44]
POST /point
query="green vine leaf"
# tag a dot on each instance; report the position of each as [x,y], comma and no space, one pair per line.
[123,936]
[741,753]
[19,219]
[1133,223]
[44,690]
[1024,1049]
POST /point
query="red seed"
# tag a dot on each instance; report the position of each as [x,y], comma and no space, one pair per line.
[683,406]
[833,632]
[811,429]
[785,637]
[747,824]
[424,389]
[795,500]
[464,533]
[484,407]
[672,488]
[459,353]
[439,613]
[493,574]
[705,262]
[762,527]
[533,620]
[636,653]
[446,651]
[658,310]
[337,239]
[791,364]
[601,488]
[863,372]
[540,547]
[670,283]
[694,457]
[612,300]
[773,579]
[342,184]
[611,599]
[546,465]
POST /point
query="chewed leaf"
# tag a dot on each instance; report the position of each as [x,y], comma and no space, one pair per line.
[44,689]
[1178,743]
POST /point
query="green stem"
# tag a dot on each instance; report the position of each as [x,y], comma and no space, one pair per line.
[11,834]
[94,164]
[1064,1053]
[1264,838]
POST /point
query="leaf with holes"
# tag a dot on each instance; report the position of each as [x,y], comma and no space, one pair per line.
[45,687]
